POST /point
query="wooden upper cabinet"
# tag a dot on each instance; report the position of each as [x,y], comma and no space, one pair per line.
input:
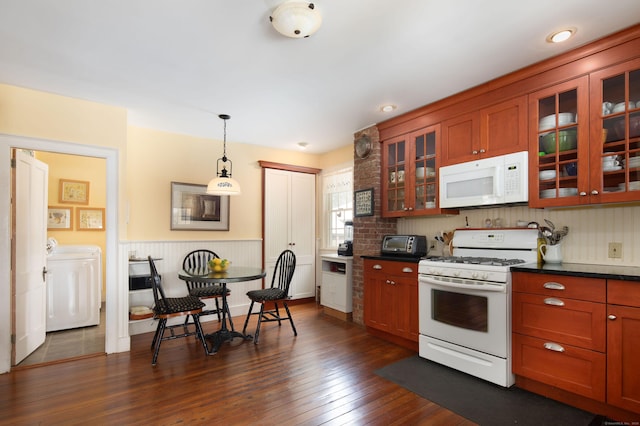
[410,174]
[495,130]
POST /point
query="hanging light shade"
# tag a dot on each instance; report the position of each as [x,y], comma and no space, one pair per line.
[223,183]
[296,19]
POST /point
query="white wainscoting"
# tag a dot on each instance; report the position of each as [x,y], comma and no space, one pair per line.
[591,229]
[241,253]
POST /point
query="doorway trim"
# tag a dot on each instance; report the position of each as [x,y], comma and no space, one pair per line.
[117,336]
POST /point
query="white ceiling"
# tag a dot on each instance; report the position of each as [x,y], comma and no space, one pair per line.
[176,64]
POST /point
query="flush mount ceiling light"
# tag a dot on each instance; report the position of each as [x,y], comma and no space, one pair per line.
[303,145]
[223,183]
[296,19]
[560,36]
[387,108]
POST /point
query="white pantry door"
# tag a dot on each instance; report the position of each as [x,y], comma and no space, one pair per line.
[30,207]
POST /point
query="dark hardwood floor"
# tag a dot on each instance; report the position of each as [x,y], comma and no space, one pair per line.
[324,376]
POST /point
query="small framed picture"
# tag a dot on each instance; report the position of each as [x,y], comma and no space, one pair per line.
[363,202]
[73,192]
[60,218]
[192,209]
[90,219]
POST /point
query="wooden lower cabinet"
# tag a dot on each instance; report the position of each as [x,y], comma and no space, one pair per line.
[623,345]
[391,297]
[573,341]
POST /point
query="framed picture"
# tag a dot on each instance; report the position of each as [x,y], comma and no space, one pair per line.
[60,218]
[89,219]
[192,209]
[73,192]
[363,202]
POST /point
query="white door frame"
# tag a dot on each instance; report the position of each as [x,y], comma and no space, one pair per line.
[117,334]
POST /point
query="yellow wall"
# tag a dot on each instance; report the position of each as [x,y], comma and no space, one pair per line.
[150,160]
[155,159]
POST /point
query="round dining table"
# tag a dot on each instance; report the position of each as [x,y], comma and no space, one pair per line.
[233,274]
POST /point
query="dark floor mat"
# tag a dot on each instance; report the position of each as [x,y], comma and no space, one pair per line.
[479,401]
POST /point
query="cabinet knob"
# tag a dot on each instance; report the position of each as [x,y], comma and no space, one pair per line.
[377,266]
[594,192]
[410,209]
[474,152]
[391,282]
[612,317]
[405,209]
[583,194]
[482,151]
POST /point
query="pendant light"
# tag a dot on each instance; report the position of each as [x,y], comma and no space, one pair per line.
[223,183]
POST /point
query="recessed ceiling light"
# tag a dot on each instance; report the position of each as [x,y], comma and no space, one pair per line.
[387,108]
[560,36]
[303,145]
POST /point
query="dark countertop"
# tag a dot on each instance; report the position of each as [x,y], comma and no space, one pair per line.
[624,273]
[393,258]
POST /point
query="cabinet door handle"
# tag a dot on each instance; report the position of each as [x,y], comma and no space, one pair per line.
[594,192]
[407,270]
[612,317]
[553,301]
[553,347]
[377,266]
[44,274]
[391,282]
[553,286]
[583,194]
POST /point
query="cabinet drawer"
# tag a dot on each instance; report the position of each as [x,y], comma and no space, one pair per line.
[388,267]
[623,293]
[592,289]
[568,321]
[576,370]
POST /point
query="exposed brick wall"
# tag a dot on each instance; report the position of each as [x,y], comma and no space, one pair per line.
[367,230]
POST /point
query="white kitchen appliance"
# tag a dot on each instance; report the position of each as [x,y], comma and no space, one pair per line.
[496,180]
[465,301]
[74,287]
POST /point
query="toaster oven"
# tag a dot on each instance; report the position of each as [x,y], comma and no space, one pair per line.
[404,245]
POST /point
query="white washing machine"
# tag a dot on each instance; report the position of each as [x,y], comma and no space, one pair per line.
[74,287]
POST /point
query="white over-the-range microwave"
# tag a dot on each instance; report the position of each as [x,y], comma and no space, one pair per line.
[497,180]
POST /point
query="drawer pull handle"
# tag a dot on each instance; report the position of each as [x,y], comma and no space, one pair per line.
[553,286]
[612,317]
[407,270]
[553,301]
[376,266]
[553,347]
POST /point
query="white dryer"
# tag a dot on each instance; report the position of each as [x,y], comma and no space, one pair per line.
[74,286]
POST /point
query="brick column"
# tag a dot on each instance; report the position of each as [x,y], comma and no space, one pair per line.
[368,230]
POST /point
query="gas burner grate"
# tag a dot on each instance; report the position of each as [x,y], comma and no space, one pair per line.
[492,261]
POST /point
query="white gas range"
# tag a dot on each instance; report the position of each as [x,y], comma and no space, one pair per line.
[465,301]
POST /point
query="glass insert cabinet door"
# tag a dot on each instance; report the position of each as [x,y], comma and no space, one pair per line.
[616,116]
[425,194]
[560,135]
[409,173]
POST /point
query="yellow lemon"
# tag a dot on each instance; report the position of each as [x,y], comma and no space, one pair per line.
[217,261]
[217,268]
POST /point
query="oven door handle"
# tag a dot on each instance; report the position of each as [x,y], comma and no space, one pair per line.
[468,284]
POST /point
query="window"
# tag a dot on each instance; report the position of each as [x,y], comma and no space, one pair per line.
[337,195]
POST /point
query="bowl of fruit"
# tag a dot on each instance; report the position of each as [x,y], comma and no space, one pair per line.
[218,265]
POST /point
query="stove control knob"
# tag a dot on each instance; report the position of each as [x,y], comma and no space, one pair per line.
[474,275]
[485,276]
[456,273]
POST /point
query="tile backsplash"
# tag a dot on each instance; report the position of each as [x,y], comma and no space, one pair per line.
[591,229]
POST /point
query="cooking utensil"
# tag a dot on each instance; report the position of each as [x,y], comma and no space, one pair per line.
[546,233]
[551,225]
